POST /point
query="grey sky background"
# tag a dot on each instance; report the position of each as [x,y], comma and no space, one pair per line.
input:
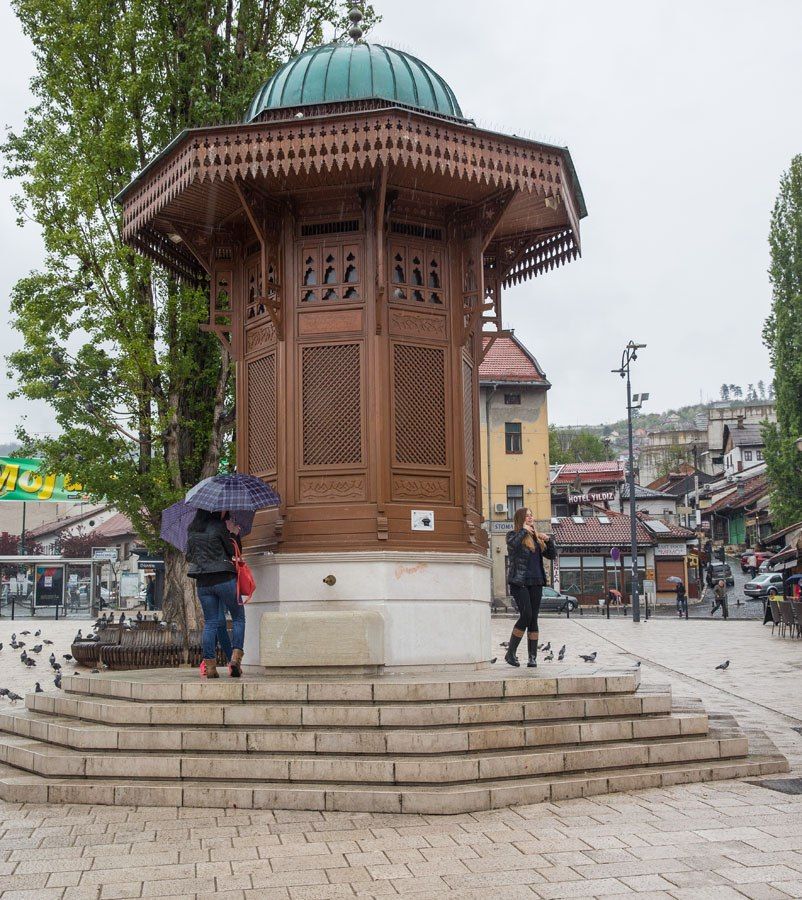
[681,117]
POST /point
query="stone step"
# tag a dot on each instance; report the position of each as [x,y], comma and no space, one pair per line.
[422,799]
[185,685]
[343,714]
[447,739]
[56,761]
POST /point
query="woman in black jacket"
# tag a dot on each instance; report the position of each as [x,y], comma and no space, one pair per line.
[526,550]
[210,552]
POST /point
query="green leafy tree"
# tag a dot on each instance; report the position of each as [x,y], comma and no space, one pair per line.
[142,398]
[782,334]
[576,446]
[725,392]
[761,389]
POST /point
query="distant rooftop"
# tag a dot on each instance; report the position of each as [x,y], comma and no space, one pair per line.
[508,360]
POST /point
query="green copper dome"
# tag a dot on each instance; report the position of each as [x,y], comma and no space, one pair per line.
[337,73]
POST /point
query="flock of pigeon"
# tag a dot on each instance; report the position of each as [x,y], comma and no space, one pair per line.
[32,661]
[588,657]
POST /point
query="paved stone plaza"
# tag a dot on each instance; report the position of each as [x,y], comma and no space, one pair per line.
[725,839]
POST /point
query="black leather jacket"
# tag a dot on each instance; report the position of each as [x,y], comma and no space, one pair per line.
[210,551]
[518,558]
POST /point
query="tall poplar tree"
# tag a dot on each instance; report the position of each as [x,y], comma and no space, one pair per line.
[782,334]
[142,398]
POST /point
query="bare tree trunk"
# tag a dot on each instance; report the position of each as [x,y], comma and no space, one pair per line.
[180,604]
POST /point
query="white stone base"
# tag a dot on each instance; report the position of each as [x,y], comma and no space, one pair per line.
[435,606]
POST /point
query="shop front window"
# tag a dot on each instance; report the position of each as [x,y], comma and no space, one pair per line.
[593,577]
[627,561]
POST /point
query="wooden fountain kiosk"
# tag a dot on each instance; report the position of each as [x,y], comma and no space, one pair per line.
[356,232]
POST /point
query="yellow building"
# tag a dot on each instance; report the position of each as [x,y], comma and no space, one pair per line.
[515,446]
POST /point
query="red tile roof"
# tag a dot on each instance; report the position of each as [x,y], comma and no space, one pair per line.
[590,472]
[757,488]
[116,527]
[592,532]
[508,360]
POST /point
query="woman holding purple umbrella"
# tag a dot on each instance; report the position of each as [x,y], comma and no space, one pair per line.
[210,552]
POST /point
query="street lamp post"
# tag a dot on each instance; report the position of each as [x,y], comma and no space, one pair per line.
[629,355]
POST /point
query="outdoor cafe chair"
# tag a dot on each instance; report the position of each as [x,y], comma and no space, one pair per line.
[776,616]
[796,608]
[787,615]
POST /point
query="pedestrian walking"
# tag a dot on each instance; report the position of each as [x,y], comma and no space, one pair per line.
[720,595]
[211,548]
[150,591]
[682,600]
[526,550]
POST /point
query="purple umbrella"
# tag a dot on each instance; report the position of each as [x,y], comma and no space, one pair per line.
[177,518]
[232,492]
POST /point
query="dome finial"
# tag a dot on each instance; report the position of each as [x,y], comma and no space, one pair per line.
[355,15]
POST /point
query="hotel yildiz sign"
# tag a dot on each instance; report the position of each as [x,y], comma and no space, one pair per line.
[592,497]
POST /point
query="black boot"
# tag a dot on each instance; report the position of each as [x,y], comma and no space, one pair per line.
[532,664]
[510,656]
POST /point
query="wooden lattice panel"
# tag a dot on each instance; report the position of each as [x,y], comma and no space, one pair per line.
[330,273]
[420,405]
[468,417]
[416,274]
[262,415]
[331,384]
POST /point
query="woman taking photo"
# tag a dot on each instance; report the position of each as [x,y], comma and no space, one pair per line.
[210,552]
[526,550]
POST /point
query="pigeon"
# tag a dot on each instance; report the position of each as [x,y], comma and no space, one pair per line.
[4,692]
[589,658]
[546,647]
[57,680]
[25,632]
[23,656]
[14,637]
[36,649]
[56,667]
[95,671]
[52,658]
[724,665]
[38,688]
[47,642]
[549,657]
[67,656]
[30,662]
[637,664]
[504,644]
[37,633]
[561,654]
[139,616]
[78,637]
[1,646]
[14,697]
[20,643]
[495,659]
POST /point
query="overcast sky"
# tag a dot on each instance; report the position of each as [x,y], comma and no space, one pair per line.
[680,116]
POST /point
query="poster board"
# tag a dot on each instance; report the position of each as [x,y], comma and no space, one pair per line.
[48,586]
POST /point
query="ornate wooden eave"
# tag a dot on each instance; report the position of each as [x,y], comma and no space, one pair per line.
[220,158]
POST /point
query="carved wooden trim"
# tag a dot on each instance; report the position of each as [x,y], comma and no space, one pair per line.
[262,336]
[330,322]
[357,141]
[320,489]
[418,325]
[414,487]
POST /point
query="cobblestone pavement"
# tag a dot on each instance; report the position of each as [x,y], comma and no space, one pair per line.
[722,840]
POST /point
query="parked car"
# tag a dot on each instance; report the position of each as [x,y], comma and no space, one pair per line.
[770,584]
[553,601]
[720,572]
[760,556]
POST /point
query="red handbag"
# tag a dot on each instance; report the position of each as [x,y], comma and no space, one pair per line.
[246,583]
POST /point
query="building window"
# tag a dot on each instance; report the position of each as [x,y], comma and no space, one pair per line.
[748,455]
[512,399]
[515,499]
[512,437]
[759,454]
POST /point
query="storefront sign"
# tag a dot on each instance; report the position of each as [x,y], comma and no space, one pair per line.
[105,554]
[671,550]
[23,479]
[592,497]
[501,527]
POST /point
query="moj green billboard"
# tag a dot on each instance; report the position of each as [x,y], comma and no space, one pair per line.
[23,479]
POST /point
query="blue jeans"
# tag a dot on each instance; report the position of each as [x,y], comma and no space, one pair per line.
[215,599]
